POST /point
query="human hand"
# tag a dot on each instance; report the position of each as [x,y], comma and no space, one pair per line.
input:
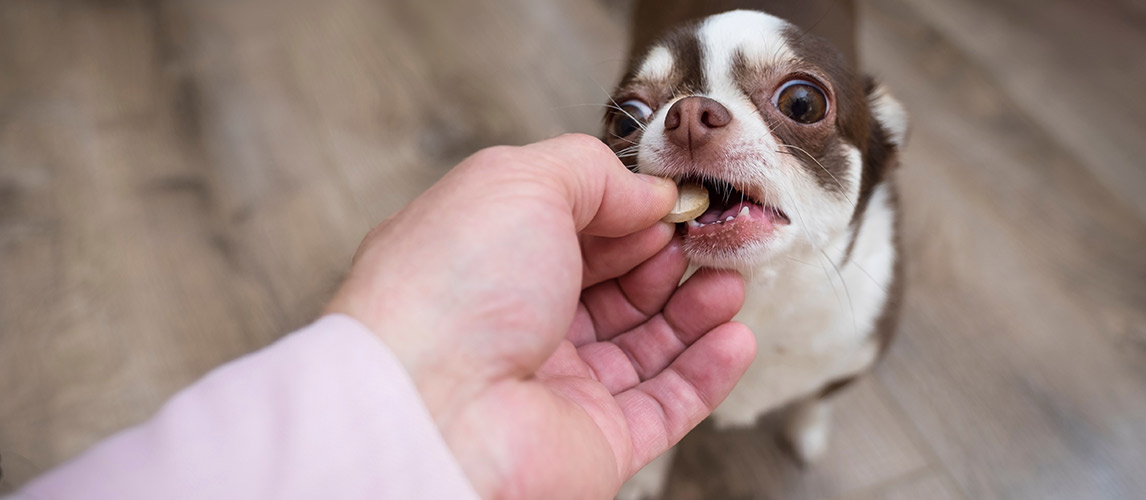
[532,296]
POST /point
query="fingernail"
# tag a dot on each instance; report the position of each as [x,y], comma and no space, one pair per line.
[659,181]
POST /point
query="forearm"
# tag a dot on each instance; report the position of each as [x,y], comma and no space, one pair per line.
[327,412]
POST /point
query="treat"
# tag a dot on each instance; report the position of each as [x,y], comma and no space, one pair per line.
[691,201]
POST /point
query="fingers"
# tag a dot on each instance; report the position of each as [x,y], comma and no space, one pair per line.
[581,329]
[608,258]
[618,305]
[610,366]
[564,363]
[708,299]
[605,198]
[660,411]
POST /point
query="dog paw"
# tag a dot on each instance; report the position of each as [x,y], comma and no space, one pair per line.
[807,431]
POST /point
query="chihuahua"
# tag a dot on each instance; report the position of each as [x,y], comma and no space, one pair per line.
[797,152]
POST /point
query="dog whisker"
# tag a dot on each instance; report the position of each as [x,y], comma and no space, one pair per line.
[821,165]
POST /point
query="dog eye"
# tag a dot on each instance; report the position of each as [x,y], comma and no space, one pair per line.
[802,101]
[630,118]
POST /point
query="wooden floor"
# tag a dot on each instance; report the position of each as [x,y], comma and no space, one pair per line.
[183,182]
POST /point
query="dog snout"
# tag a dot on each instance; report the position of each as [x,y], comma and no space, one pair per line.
[695,121]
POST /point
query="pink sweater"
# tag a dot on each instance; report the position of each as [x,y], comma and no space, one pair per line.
[326,412]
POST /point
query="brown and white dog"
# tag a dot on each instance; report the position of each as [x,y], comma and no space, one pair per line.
[797,152]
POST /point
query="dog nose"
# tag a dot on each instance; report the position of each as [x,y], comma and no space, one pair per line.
[694,121]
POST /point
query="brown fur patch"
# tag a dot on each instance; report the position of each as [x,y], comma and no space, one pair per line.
[687,77]
[832,19]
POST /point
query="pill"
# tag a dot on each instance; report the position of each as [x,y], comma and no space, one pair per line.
[691,201]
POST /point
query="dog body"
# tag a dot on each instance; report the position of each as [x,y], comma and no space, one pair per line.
[797,152]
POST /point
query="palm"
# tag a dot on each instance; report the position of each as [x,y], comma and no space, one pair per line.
[639,368]
[474,283]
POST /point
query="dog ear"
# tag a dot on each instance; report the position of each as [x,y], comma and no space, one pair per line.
[888,133]
[889,113]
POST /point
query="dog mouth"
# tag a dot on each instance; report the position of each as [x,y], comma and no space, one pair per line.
[734,219]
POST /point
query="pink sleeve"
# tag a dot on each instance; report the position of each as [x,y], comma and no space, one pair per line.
[326,412]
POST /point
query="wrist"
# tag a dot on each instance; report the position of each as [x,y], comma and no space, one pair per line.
[436,370]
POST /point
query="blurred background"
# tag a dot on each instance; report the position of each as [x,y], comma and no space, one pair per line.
[182,182]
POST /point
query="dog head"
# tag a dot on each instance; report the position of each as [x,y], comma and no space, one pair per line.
[789,141]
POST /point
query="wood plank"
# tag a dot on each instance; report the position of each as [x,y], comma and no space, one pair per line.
[108,235]
[1020,358]
[525,72]
[926,486]
[870,446]
[1075,67]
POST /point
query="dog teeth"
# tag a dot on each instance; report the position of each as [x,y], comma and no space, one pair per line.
[696,224]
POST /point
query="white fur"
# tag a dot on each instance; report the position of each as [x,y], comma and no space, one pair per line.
[765,169]
[820,331]
[658,65]
[759,36]
[890,113]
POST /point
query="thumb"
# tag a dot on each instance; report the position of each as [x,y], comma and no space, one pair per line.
[605,198]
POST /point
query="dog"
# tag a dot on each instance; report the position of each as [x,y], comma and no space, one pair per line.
[798,153]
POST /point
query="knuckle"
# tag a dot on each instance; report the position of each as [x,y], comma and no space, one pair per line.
[583,140]
[588,144]
[501,162]
[495,155]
